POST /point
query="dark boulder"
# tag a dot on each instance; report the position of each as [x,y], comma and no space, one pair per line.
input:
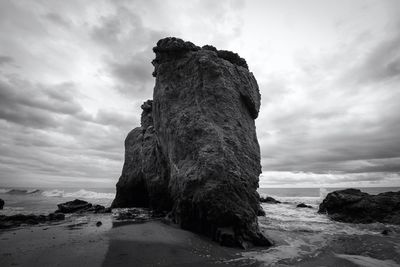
[354,206]
[1,204]
[196,153]
[269,200]
[302,205]
[385,232]
[81,206]
[73,206]
[30,219]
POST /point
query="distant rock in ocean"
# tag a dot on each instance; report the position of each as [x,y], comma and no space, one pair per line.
[1,204]
[196,153]
[81,206]
[269,200]
[302,205]
[354,206]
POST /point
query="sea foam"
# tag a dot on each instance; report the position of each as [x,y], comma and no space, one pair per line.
[322,193]
[18,191]
[82,193]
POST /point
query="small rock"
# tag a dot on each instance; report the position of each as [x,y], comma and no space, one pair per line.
[269,200]
[385,232]
[260,212]
[99,223]
[302,205]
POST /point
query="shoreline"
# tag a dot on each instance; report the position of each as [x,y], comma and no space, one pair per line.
[133,237]
[78,241]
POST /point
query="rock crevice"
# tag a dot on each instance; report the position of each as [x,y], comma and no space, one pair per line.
[196,153]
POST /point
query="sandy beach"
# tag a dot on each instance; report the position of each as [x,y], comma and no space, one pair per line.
[80,242]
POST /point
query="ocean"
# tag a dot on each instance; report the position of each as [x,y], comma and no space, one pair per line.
[305,237]
[45,200]
[299,233]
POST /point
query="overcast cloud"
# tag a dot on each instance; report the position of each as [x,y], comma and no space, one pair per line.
[73,75]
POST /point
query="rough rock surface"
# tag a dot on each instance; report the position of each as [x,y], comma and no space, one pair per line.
[145,174]
[30,219]
[354,206]
[196,153]
[81,206]
[1,204]
[136,214]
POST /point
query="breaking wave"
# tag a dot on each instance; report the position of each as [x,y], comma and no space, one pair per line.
[78,194]
[322,193]
[12,191]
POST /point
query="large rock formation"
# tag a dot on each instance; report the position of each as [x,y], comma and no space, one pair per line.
[196,153]
[354,206]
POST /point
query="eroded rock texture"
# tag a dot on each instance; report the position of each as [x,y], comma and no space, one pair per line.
[145,174]
[354,206]
[196,153]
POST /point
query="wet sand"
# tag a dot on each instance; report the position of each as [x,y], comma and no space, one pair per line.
[71,243]
[158,244]
[82,243]
[79,242]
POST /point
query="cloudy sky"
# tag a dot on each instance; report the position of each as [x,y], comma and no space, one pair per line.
[74,73]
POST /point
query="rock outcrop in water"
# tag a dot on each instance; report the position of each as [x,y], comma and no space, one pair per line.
[1,204]
[354,206]
[81,206]
[269,200]
[196,153]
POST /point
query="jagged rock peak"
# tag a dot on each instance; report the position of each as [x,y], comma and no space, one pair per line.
[147,118]
[172,44]
[171,47]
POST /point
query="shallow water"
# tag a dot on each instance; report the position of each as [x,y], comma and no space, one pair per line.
[302,236]
[44,200]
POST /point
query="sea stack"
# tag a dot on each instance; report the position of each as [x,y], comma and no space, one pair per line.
[196,154]
[353,206]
